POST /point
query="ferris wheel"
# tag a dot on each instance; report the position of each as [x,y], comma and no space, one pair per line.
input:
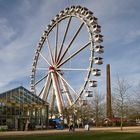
[62,69]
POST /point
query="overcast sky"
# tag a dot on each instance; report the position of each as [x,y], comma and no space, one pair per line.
[23,21]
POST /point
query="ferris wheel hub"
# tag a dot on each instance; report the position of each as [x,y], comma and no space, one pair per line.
[51,68]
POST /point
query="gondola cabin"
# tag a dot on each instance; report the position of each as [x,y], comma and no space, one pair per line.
[96,72]
[88,93]
[93,20]
[92,83]
[99,49]
[96,28]
[98,38]
[98,60]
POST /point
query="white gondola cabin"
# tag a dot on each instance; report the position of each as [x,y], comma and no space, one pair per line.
[32,81]
[77,8]
[84,10]
[33,70]
[96,72]
[48,27]
[93,20]
[39,48]
[56,17]
[42,38]
[52,21]
[99,49]
[98,38]
[92,83]
[32,85]
[32,88]
[88,14]
[31,76]
[66,10]
[72,8]
[98,60]
[45,33]
[34,63]
[61,13]
[88,93]
[96,28]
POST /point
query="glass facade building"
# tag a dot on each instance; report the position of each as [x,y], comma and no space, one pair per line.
[22,110]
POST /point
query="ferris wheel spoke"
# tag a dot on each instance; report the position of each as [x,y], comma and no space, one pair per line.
[58,93]
[42,68]
[65,34]
[67,83]
[78,97]
[52,100]
[50,51]
[45,97]
[40,92]
[41,79]
[47,87]
[56,41]
[73,69]
[44,59]
[74,54]
[73,38]
[66,91]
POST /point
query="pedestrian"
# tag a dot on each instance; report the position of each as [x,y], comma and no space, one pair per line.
[70,126]
[87,127]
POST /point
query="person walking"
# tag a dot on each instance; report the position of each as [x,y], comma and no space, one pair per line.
[71,126]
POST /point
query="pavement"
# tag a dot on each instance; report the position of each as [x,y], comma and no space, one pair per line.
[50,132]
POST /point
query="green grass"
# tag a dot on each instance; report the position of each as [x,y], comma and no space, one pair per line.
[82,136]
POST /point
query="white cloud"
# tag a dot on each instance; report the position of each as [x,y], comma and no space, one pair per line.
[25,6]
[132,36]
[16,56]
[6,31]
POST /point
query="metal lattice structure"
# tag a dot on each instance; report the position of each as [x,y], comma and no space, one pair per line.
[62,68]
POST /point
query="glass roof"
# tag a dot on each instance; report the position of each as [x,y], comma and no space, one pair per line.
[21,95]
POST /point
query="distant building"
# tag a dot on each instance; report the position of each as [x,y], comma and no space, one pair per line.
[22,110]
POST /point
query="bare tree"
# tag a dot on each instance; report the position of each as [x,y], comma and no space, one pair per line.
[121,95]
[97,104]
[135,103]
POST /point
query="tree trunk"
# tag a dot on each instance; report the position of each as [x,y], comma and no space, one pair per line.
[121,117]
